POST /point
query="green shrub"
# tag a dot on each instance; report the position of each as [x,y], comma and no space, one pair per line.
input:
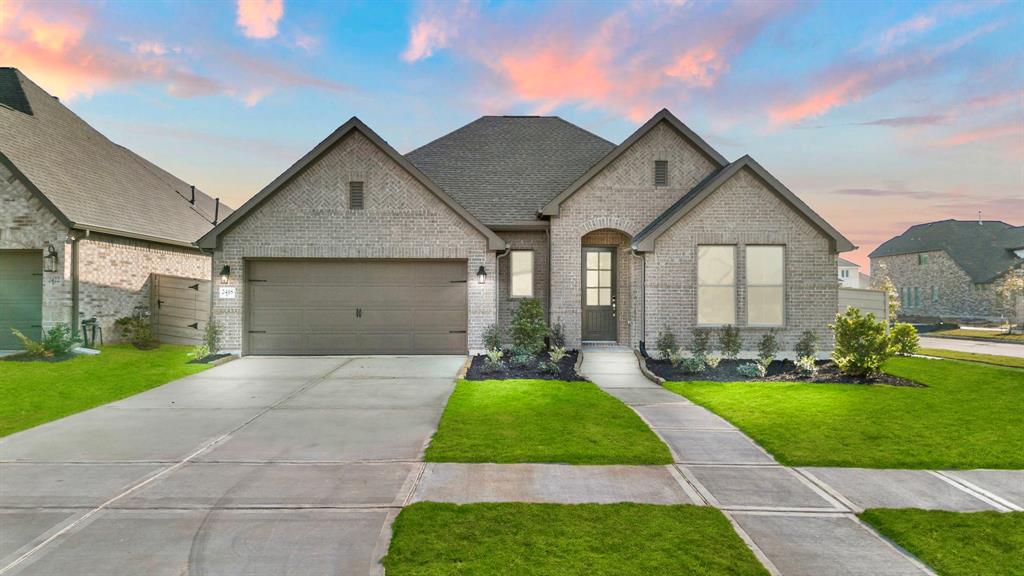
[492,337]
[903,338]
[557,353]
[729,342]
[32,348]
[557,336]
[550,367]
[211,337]
[528,327]
[807,365]
[137,329]
[752,370]
[767,349]
[494,355]
[712,361]
[862,345]
[807,345]
[701,343]
[666,344]
[200,351]
[57,341]
[692,365]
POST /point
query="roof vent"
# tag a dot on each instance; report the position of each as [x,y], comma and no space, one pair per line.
[661,173]
[355,195]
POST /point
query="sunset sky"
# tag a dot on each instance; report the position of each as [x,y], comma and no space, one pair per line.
[879,115]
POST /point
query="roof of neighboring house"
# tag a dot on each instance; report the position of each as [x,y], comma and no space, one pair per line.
[209,240]
[87,180]
[983,249]
[844,263]
[645,239]
[504,169]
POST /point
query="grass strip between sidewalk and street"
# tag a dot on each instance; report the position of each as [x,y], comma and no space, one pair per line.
[1011,361]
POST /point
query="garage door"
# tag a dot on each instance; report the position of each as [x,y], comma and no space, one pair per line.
[21,295]
[356,306]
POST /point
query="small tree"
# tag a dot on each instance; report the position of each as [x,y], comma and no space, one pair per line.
[903,338]
[767,349]
[666,344]
[557,336]
[528,327]
[807,345]
[492,337]
[862,345]
[729,341]
[211,336]
[701,347]
[1010,290]
[880,280]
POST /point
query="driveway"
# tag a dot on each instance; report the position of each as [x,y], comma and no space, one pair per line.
[975,346]
[260,466]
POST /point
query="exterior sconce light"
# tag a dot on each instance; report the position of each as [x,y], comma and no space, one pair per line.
[50,259]
[225,273]
[481,275]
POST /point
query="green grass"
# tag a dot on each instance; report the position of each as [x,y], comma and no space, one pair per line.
[972,357]
[507,421]
[969,416]
[979,334]
[558,539]
[957,543]
[38,392]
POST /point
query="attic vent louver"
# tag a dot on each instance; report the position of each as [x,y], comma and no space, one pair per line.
[661,172]
[355,195]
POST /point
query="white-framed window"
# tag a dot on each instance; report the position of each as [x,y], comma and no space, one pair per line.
[716,285]
[844,273]
[766,273]
[521,276]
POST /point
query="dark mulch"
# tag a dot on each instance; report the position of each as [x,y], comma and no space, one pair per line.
[778,371]
[478,370]
[24,357]
[208,358]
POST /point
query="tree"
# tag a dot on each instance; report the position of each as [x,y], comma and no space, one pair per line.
[1010,290]
[880,280]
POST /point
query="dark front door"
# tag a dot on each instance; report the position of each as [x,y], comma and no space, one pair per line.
[599,322]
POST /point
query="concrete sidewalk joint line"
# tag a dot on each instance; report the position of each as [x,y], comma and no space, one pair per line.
[994,500]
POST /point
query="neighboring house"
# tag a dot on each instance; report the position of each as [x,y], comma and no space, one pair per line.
[359,249]
[850,275]
[952,269]
[84,222]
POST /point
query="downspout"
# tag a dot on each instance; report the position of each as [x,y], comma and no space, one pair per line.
[497,285]
[643,300]
[547,295]
[74,238]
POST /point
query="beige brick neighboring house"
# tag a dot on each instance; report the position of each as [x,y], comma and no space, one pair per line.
[358,249]
[108,218]
[952,269]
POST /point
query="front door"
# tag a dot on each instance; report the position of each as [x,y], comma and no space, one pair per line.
[599,321]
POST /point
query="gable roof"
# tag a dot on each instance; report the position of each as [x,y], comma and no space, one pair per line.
[645,239]
[503,168]
[209,240]
[844,263]
[86,180]
[552,207]
[984,250]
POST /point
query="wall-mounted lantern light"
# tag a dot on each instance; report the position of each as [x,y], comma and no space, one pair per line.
[225,273]
[50,259]
[481,275]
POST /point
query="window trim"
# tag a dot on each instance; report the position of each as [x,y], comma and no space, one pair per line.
[734,286]
[533,274]
[747,285]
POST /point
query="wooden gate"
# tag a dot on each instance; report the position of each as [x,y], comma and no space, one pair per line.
[180,308]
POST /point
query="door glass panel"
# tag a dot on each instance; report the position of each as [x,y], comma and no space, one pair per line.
[606,260]
[592,297]
[592,278]
[606,278]
[592,260]
[605,296]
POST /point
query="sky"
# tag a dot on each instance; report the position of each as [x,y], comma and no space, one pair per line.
[878,115]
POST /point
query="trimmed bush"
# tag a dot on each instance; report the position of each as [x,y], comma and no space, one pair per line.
[752,370]
[492,337]
[807,365]
[729,342]
[528,327]
[862,345]
[557,353]
[903,338]
[767,349]
[557,336]
[701,347]
[666,344]
[137,329]
[211,336]
[692,365]
[712,361]
[807,345]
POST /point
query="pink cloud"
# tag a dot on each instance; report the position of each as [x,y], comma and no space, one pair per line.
[699,66]
[996,132]
[259,18]
[899,33]
[436,27]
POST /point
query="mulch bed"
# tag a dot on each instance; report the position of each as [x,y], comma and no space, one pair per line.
[478,370]
[208,358]
[778,371]
[28,358]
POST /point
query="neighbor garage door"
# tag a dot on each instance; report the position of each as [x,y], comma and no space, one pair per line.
[21,295]
[356,306]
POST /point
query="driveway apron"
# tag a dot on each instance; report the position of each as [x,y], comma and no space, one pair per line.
[260,466]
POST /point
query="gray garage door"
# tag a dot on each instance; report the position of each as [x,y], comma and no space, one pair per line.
[21,295]
[356,306]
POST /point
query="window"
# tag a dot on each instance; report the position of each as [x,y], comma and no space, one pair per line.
[355,195]
[935,293]
[922,259]
[765,278]
[661,172]
[917,296]
[844,273]
[716,285]
[521,278]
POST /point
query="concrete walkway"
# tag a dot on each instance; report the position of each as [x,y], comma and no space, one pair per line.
[974,346]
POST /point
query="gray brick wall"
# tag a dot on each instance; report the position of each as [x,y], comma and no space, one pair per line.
[622,197]
[958,297]
[743,211]
[309,218]
[538,243]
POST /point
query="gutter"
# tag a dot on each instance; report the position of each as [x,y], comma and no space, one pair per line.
[497,285]
[643,299]
[133,235]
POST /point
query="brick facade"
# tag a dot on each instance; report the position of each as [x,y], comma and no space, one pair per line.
[538,243]
[309,218]
[957,296]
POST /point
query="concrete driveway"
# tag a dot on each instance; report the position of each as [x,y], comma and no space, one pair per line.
[975,346]
[260,466]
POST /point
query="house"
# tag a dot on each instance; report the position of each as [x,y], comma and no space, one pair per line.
[359,249]
[850,275]
[84,223]
[952,269]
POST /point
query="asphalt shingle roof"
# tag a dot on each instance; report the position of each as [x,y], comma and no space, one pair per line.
[984,250]
[504,169]
[92,181]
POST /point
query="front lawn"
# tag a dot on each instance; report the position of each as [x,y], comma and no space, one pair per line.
[517,538]
[506,421]
[957,543]
[37,392]
[977,334]
[973,357]
[969,416]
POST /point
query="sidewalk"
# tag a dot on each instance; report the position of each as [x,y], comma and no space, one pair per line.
[974,346]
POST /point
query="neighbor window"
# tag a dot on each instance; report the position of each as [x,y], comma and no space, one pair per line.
[716,285]
[765,275]
[661,172]
[917,296]
[522,274]
[355,195]
[922,259]
[935,294]
[844,273]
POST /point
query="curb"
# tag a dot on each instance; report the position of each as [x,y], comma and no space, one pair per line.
[647,373]
[579,363]
[461,374]
[223,360]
